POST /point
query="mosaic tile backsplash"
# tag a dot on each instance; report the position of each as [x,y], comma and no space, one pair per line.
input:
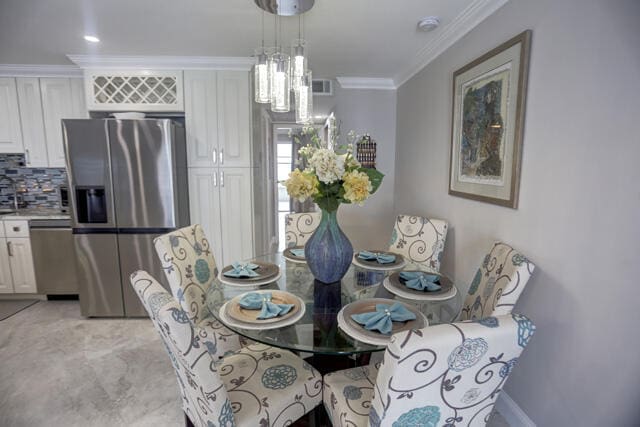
[37,187]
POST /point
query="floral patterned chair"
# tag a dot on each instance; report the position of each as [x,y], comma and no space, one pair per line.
[190,267]
[420,240]
[498,283]
[444,375]
[299,227]
[255,386]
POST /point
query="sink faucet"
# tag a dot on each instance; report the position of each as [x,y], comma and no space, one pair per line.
[14,184]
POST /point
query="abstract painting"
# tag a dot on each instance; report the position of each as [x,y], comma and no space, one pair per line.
[487,124]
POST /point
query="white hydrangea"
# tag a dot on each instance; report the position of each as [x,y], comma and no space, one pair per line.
[328,166]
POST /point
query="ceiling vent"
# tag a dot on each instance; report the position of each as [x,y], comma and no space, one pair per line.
[323,87]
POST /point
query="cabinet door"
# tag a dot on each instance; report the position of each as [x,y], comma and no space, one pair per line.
[6,281]
[236,207]
[56,105]
[31,118]
[21,261]
[204,200]
[10,133]
[78,104]
[234,119]
[201,118]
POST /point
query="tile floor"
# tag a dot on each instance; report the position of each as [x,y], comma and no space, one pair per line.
[60,369]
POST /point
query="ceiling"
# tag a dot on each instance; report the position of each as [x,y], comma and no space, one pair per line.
[364,38]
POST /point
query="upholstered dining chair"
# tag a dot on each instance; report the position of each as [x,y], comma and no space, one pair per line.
[190,267]
[497,284]
[420,240]
[255,386]
[299,227]
[443,375]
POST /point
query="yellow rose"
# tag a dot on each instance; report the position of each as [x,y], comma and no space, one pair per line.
[357,186]
[301,185]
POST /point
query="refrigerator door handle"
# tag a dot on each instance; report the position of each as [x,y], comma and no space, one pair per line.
[215,155]
[215,179]
[221,178]
[222,156]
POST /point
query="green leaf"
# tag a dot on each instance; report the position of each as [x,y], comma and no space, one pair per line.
[375,176]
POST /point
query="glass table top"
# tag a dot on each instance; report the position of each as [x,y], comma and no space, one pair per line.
[317,331]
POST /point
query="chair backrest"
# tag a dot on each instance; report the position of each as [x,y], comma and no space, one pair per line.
[299,227]
[204,397]
[188,263]
[420,240]
[448,374]
[498,283]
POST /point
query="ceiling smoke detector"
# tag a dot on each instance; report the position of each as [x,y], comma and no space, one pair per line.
[429,23]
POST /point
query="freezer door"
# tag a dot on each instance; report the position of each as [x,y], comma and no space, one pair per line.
[86,144]
[137,253]
[144,175]
[99,283]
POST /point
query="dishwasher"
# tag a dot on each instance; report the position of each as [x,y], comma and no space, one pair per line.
[54,256]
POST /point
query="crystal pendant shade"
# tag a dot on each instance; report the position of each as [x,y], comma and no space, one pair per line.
[261,77]
[298,62]
[279,82]
[304,99]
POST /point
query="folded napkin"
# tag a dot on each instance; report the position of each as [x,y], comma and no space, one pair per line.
[420,281]
[299,252]
[382,258]
[382,319]
[242,270]
[262,302]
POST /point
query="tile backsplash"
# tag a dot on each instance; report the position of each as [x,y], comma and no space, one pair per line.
[38,187]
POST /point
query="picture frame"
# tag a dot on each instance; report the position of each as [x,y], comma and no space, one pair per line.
[487,124]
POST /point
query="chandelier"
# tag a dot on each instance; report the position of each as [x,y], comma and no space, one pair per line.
[278,74]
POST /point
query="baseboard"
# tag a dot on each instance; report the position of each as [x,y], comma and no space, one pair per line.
[512,413]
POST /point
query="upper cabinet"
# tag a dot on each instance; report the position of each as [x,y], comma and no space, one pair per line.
[35,142]
[56,105]
[218,118]
[10,132]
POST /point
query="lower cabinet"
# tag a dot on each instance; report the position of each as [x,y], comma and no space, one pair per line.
[6,281]
[222,202]
[21,262]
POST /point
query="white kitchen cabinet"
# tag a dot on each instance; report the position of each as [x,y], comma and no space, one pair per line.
[21,263]
[221,201]
[56,105]
[32,120]
[234,119]
[6,281]
[10,131]
[218,118]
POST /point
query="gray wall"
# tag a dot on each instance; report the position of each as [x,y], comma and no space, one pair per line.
[579,200]
[373,112]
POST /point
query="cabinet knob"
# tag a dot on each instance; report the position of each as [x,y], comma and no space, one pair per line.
[215,155]
[221,178]
[222,156]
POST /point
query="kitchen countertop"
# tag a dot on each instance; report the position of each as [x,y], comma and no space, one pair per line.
[29,214]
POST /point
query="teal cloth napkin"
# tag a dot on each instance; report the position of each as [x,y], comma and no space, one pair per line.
[242,270]
[382,319]
[262,302]
[420,281]
[299,252]
[377,256]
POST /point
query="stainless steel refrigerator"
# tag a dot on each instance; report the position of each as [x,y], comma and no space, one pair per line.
[128,184]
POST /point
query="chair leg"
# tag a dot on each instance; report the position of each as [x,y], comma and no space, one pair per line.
[187,421]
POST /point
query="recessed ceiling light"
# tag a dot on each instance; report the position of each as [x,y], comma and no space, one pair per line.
[429,23]
[92,39]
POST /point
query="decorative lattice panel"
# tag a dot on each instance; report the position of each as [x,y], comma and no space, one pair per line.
[130,90]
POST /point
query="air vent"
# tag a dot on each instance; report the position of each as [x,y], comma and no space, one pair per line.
[323,87]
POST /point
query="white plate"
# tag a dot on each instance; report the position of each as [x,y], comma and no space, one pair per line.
[378,267]
[228,321]
[266,281]
[417,297]
[295,260]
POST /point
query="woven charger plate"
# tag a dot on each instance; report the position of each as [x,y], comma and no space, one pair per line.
[375,265]
[369,305]
[232,323]
[237,312]
[266,271]
[291,257]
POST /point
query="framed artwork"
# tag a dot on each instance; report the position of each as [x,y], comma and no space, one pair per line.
[489,97]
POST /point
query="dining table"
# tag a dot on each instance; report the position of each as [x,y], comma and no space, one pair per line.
[317,331]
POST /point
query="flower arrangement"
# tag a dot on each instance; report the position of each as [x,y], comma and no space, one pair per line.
[332,176]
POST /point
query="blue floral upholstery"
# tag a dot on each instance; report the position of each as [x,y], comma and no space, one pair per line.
[497,284]
[299,227]
[444,375]
[255,386]
[420,240]
[188,263]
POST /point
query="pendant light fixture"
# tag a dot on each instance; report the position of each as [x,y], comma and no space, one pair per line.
[261,72]
[298,57]
[304,99]
[279,76]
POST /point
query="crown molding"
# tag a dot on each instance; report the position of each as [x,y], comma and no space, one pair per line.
[468,19]
[36,70]
[375,83]
[136,62]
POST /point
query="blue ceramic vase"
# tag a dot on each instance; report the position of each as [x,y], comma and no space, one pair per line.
[328,251]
